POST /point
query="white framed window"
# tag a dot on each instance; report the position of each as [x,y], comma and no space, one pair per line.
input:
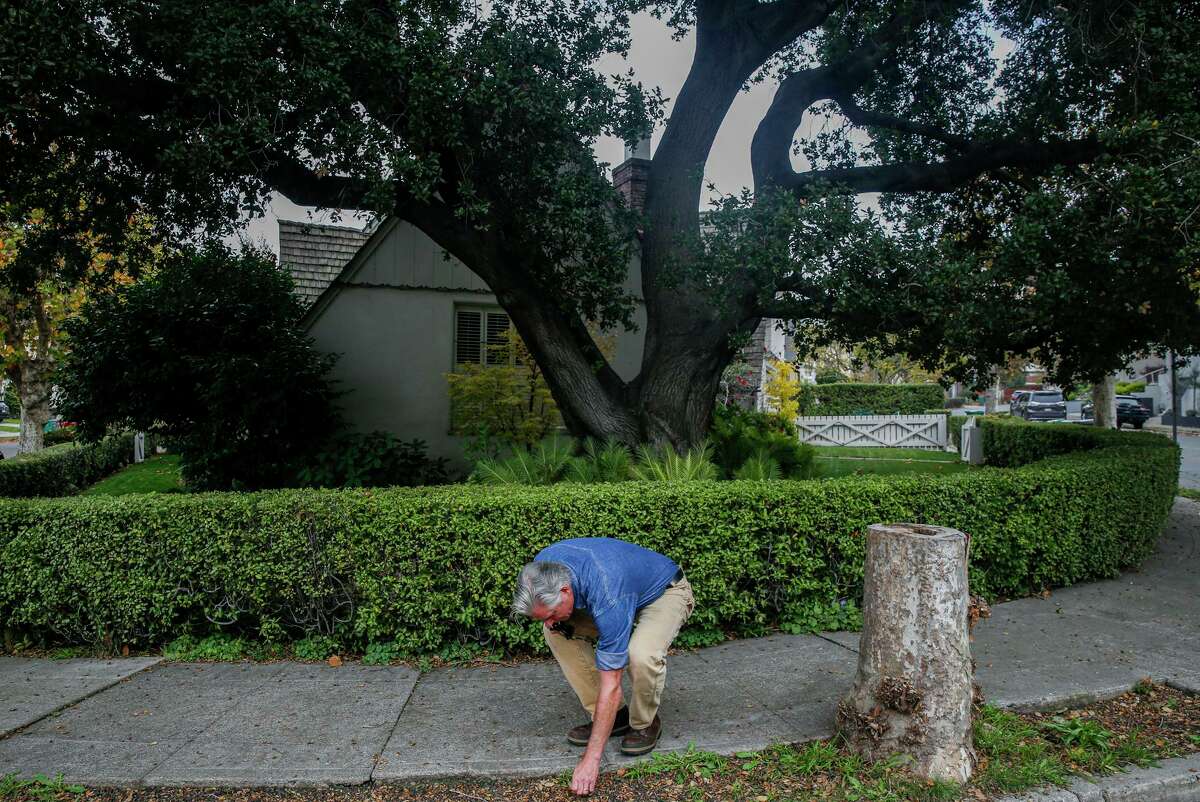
[481,336]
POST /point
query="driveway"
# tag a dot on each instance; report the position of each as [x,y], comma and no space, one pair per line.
[8,448]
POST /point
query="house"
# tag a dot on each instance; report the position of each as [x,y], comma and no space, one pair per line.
[401,313]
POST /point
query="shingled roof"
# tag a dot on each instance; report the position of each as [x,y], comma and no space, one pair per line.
[315,253]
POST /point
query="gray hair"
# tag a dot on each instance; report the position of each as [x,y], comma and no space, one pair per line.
[539,583]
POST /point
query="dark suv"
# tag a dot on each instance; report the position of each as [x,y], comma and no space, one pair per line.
[1128,411]
[1043,405]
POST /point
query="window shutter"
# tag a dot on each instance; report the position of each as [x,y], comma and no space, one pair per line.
[497,338]
[467,337]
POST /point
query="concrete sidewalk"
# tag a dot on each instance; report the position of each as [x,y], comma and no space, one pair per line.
[138,722]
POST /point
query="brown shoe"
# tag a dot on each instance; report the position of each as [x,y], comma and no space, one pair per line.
[579,736]
[639,742]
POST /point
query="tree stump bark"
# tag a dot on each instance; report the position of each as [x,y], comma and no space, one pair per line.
[912,694]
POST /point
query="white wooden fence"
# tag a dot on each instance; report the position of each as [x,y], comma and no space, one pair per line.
[874,431]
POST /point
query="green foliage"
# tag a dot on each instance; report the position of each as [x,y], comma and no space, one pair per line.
[65,469]
[738,434]
[610,462]
[759,467]
[869,399]
[218,646]
[668,465]
[428,568]
[1128,388]
[544,464]
[954,425]
[1078,732]
[814,616]
[207,350]
[157,474]
[56,437]
[315,647]
[375,459]
[38,788]
[680,765]
[1011,442]
[504,404]
[1017,757]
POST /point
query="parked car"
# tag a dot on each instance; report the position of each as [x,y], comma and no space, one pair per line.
[1043,405]
[1128,411]
[1017,402]
[4,410]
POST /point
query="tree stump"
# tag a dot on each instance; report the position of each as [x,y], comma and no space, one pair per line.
[912,694]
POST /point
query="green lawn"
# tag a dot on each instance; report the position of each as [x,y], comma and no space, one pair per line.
[155,475]
[833,461]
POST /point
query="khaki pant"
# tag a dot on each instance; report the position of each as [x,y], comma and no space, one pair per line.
[654,627]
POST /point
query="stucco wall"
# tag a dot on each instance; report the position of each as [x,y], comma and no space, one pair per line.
[396,347]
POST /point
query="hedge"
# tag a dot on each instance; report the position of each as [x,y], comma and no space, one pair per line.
[427,568]
[64,469]
[871,399]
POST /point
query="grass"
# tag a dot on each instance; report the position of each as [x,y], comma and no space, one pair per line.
[159,474]
[38,789]
[834,461]
[1189,493]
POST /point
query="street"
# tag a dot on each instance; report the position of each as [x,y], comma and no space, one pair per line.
[1189,468]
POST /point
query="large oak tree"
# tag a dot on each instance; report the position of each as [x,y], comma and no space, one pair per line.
[475,121]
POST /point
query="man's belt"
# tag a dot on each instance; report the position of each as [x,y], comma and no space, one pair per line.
[678,577]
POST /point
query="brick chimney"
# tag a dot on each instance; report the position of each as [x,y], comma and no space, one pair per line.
[630,176]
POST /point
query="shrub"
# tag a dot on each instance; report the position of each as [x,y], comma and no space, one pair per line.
[872,399]
[208,350]
[610,462]
[432,568]
[737,434]
[760,467]
[1127,388]
[1010,442]
[668,465]
[65,469]
[56,437]
[544,464]
[376,459]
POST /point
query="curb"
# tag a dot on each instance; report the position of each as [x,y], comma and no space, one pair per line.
[1174,780]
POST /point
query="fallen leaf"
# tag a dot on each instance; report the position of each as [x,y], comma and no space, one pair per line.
[335,661]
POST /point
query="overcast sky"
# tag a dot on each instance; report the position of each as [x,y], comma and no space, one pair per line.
[658,61]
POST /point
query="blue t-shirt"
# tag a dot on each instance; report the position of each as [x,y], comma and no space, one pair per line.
[612,580]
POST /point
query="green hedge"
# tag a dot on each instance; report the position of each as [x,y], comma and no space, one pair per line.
[870,399]
[65,469]
[432,567]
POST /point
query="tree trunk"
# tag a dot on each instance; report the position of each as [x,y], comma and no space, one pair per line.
[913,692]
[1104,403]
[34,391]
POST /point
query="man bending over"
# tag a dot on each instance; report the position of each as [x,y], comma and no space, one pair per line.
[630,602]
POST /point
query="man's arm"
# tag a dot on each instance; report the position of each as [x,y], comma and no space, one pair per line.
[583,782]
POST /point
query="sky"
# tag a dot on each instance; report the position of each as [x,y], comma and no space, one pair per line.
[657,60]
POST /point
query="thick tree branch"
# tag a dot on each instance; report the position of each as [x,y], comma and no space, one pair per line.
[770,149]
[950,173]
[872,119]
[305,187]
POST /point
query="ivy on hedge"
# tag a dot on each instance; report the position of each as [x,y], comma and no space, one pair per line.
[64,469]
[426,568]
[871,399]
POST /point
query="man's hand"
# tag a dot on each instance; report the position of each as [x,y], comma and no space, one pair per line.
[583,781]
